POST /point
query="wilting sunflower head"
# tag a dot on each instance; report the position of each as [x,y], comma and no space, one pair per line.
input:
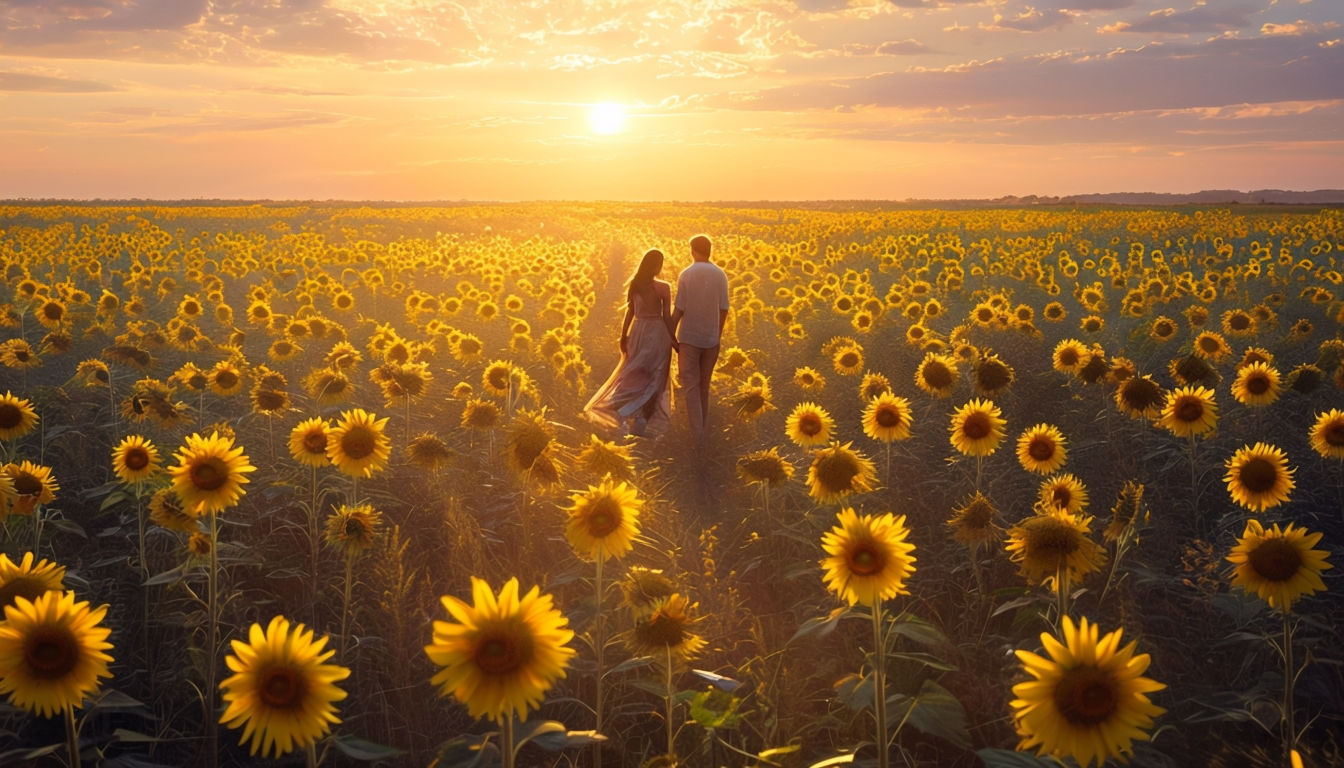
[1190,411]
[282,692]
[642,589]
[764,466]
[604,520]
[135,459]
[838,471]
[992,375]
[500,655]
[974,523]
[480,415]
[868,558]
[1258,477]
[530,437]
[600,458]
[753,398]
[328,386]
[666,628]
[428,452]
[1278,565]
[809,425]
[353,529]
[1125,513]
[358,444]
[873,384]
[1139,397]
[1305,378]
[937,374]
[52,652]
[1088,701]
[167,511]
[977,428]
[17,417]
[29,578]
[1053,542]
[210,473]
[887,418]
[1041,449]
[93,373]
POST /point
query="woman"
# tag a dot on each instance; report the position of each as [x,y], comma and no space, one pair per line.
[637,390]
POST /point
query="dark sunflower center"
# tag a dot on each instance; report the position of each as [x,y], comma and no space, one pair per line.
[281,687]
[315,442]
[503,651]
[1257,385]
[937,376]
[53,311]
[1041,449]
[837,473]
[888,418]
[1054,540]
[849,360]
[1275,559]
[358,443]
[226,379]
[977,426]
[984,314]
[1164,329]
[662,629]
[1141,394]
[1189,411]
[27,484]
[209,475]
[810,424]
[1068,357]
[866,560]
[1086,696]
[26,587]
[604,518]
[977,515]
[137,459]
[1239,322]
[1258,475]
[1334,433]
[499,379]
[993,376]
[51,653]
[356,528]
[1061,496]
[10,416]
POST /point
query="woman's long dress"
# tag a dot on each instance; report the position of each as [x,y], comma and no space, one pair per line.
[640,377]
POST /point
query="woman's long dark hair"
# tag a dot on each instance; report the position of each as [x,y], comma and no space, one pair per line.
[648,267]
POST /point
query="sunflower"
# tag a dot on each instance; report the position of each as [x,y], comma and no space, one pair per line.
[166,511]
[328,386]
[1190,411]
[642,588]
[873,384]
[1125,513]
[991,375]
[428,452]
[225,378]
[974,523]
[808,425]
[17,417]
[1211,345]
[1089,700]
[837,471]
[357,444]
[604,520]
[1140,397]
[1327,434]
[808,379]
[480,415]
[52,652]
[500,655]
[1064,492]
[937,374]
[282,692]
[1278,565]
[887,417]
[848,360]
[1069,356]
[308,442]
[135,459]
[1193,369]
[764,466]
[1051,541]
[18,353]
[1041,449]
[1256,385]
[1305,378]
[353,528]
[210,473]
[497,377]
[753,398]
[977,428]
[666,629]
[530,438]
[1239,323]
[1258,477]
[29,578]
[32,483]
[868,558]
[93,373]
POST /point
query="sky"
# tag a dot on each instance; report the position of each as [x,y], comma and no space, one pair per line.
[666,99]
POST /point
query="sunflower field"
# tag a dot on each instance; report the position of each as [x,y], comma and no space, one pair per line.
[311,484]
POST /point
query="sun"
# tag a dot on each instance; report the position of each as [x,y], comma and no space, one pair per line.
[607,118]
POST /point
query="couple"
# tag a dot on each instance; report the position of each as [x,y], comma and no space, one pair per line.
[637,390]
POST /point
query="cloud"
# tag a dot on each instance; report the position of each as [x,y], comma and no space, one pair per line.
[906,47]
[1298,28]
[1086,6]
[1030,20]
[20,81]
[1222,17]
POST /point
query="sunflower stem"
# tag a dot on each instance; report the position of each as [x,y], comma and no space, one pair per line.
[211,645]
[598,642]
[506,741]
[879,685]
[313,542]
[979,471]
[671,751]
[975,569]
[71,736]
[345,599]
[1062,589]
[310,756]
[1289,678]
[1194,485]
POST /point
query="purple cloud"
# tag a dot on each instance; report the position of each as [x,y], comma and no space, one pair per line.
[1201,18]
[1030,20]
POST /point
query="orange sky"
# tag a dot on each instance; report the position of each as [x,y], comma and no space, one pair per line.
[779,99]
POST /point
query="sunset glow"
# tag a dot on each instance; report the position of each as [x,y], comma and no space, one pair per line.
[780,99]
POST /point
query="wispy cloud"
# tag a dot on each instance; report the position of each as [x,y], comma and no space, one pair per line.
[22,81]
[1219,17]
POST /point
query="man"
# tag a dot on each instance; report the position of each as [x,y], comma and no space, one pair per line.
[699,313]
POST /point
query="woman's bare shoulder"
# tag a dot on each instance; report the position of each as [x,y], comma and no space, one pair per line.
[662,285]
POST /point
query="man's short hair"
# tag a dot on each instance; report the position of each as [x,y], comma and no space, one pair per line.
[700,244]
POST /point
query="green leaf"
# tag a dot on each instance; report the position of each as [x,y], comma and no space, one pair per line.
[66,525]
[114,498]
[463,752]
[918,630]
[554,741]
[831,761]
[114,699]
[363,749]
[1007,758]
[629,664]
[855,691]
[769,755]
[534,731]
[937,712]
[715,709]
[167,577]
[821,626]
[121,734]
